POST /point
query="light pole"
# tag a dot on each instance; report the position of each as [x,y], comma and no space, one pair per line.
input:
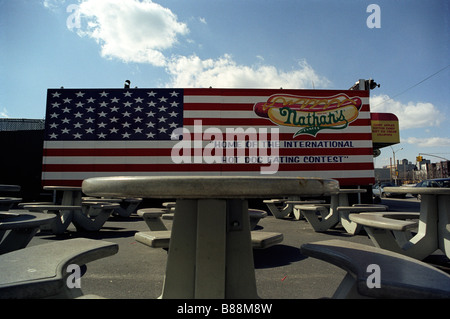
[395,164]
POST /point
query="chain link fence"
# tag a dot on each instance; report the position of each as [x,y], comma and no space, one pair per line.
[21,124]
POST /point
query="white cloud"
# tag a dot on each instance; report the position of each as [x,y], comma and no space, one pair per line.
[429,141]
[4,113]
[411,115]
[130,30]
[143,31]
[53,4]
[225,72]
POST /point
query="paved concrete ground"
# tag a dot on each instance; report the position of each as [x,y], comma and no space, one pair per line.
[282,272]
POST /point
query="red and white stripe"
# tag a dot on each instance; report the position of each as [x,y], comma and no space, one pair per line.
[70,162]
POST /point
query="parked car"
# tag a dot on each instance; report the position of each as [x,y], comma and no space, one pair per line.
[435,182]
[378,191]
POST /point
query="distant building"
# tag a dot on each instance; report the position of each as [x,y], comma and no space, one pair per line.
[428,170]
[21,143]
[383,174]
[406,172]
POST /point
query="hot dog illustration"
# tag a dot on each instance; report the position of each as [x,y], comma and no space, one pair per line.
[313,112]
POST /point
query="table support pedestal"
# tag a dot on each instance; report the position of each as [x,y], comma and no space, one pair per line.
[210,252]
[425,242]
[444,224]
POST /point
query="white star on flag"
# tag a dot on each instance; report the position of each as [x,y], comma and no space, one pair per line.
[113,114]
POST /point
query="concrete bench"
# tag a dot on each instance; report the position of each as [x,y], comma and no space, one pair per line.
[264,239]
[170,206]
[101,200]
[154,238]
[9,188]
[167,212]
[170,210]
[278,208]
[319,216]
[296,213]
[64,215]
[159,234]
[395,221]
[6,203]
[255,216]
[41,271]
[126,207]
[393,231]
[93,215]
[22,205]
[152,217]
[344,211]
[283,208]
[90,216]
[399,276]
[161,239]
[17,228]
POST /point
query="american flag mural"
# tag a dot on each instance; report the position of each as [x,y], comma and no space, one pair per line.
[114,132]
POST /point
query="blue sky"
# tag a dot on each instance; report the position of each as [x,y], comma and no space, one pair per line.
[234,43]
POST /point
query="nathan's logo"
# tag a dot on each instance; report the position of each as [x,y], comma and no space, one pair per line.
[310,114]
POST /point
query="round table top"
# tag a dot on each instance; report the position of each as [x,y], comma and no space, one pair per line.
[15,219]
[62,188]
[352,191]
[208,186]
[9,188]
[10,200]
[418,190]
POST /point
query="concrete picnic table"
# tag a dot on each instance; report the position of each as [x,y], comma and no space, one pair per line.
[71,194]
[210,253]
[126,207]
[280,208]
[90,216]
[341,208]
[434,220]
[64,211]
[7,202]
[330,217]
[9,188]
[17,228]
[283,208]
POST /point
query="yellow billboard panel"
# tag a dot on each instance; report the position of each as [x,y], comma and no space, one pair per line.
[385,128]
